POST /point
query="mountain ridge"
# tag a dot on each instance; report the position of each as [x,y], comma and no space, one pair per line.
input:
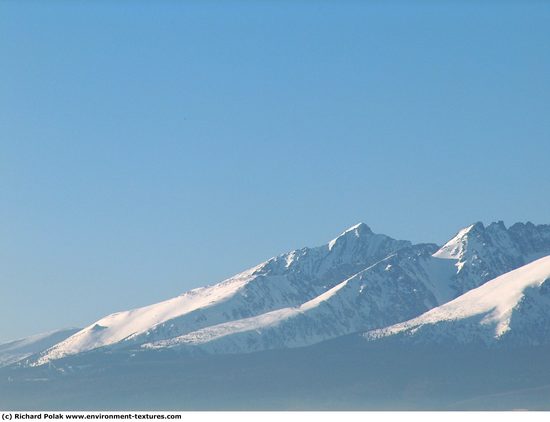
[285,280]
[358,281]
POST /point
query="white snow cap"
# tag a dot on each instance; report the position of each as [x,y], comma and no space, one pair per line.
[455,247]
[359,230]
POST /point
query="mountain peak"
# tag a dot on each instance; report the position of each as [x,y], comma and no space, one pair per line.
[477,227]
[357,231]
[497,224]
[454,248]
[359,228]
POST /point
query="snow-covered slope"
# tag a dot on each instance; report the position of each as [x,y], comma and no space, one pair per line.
[513,307]
[357,282]
[284,281]
[17,350]
[403,285]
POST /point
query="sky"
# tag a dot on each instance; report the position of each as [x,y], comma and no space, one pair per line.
[147,148]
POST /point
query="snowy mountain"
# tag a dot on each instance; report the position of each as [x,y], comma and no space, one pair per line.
[512,308]
[483,253]
[288,280]
[359,281]
[408,282]
[17,350]
[400,325]
[396,288]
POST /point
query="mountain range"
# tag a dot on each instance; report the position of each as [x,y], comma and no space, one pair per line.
[488,287]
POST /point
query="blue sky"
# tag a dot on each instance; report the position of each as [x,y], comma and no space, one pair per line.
[151,147]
